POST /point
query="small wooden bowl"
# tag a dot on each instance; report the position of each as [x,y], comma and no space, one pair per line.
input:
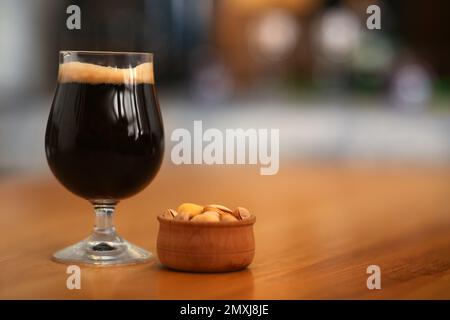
[206,246]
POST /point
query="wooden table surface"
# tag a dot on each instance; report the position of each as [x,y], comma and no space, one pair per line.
[318,228]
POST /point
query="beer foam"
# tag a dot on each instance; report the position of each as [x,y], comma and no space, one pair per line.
[96,74]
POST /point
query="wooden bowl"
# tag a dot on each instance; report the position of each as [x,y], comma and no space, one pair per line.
[206,246]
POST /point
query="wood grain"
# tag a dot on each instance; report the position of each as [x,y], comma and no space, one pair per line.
[318,228]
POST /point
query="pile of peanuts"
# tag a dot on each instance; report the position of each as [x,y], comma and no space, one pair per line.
[208,213]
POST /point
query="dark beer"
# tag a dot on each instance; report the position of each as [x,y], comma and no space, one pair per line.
[104,137]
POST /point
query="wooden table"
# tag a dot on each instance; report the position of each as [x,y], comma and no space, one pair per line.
[318,228]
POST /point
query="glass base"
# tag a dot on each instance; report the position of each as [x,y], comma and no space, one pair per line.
[103,247]
[103,252]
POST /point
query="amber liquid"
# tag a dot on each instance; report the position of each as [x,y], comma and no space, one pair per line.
[104,141]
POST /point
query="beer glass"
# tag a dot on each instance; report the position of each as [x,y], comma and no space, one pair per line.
[104,142]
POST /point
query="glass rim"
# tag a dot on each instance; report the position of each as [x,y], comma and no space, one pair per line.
[112,53]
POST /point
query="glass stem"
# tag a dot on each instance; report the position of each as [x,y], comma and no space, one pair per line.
[104,218]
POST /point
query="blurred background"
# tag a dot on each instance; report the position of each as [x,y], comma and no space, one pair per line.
[338,91]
